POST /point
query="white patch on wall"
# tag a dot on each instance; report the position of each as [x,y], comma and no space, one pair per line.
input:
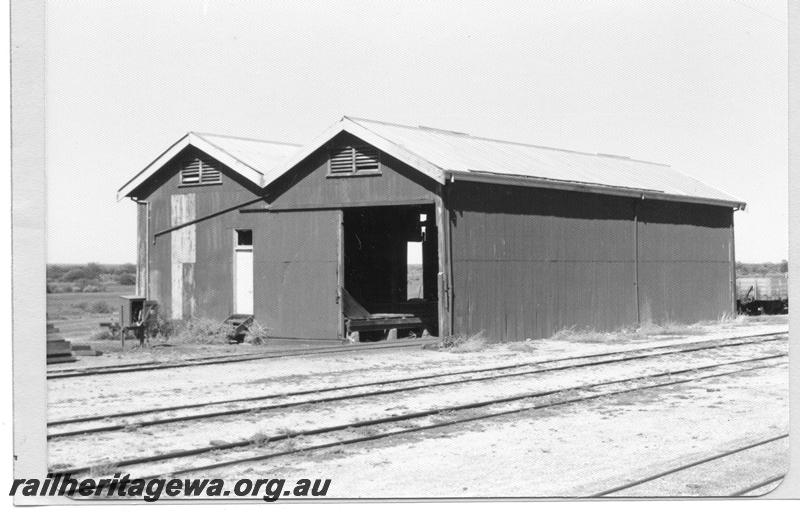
[183,251]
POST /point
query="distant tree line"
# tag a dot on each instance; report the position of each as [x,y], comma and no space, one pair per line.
[94,274]
[88,277]
[761,269]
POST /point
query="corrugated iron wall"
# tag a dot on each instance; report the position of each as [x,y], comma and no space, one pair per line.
[295,251]
[142,213]
[310,185]
[296,258]
[191,268]
[183,255]
[527,262]
[685,262]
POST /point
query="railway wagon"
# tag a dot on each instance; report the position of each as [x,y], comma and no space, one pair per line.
[757,295]
[515,240]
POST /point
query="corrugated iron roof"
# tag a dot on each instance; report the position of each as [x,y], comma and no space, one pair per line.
[443,154]
[261,155]
[466,156]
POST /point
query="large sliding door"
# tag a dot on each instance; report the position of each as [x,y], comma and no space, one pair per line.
[297,275]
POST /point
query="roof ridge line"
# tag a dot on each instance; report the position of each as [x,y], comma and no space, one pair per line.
[201,134]
[226,152]
[450,132]
[355,120]
[489,139]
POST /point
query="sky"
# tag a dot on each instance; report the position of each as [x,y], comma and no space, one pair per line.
[700,85]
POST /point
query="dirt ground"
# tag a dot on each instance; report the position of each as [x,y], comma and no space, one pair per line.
[114,354]
[571,450]
[574,451]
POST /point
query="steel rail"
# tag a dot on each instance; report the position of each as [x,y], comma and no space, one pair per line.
[684,467]
[133,367]
[427,413]
[764,483]
[221,357]
[448,423]
[715,344]
[225,357]
[200,361]
[249,410]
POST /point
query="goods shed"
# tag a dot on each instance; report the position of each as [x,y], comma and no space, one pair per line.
[515,240]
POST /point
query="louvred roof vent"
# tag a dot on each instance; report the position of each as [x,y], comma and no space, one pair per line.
[200,171]
[354,159]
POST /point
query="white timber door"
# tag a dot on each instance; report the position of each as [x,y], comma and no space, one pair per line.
[243,272]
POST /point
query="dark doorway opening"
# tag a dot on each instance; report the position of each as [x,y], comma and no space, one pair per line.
[391,262]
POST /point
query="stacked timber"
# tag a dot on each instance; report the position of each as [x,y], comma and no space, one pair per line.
[59,350]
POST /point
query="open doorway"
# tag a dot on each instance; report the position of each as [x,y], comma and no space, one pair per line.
[390,266]
[414,285]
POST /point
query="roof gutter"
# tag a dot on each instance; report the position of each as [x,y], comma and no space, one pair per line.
[575,186]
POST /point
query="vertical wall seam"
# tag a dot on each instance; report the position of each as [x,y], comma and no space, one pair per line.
[444,308]
[340,324]
[636,205]
[147,253]
[733,266]
[449,251]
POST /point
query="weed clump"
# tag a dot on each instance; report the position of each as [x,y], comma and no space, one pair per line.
[461,343]
[256,334]
[197,331]
[260,439]
[574,334]
[644,331]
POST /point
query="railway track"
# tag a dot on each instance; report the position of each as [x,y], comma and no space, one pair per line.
[237,358]
[629,486]
[764,485]
[213,409]
[202,361]
[207,458]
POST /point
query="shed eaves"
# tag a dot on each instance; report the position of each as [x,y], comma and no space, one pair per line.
[250,158]
[468,155]
[441,154]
